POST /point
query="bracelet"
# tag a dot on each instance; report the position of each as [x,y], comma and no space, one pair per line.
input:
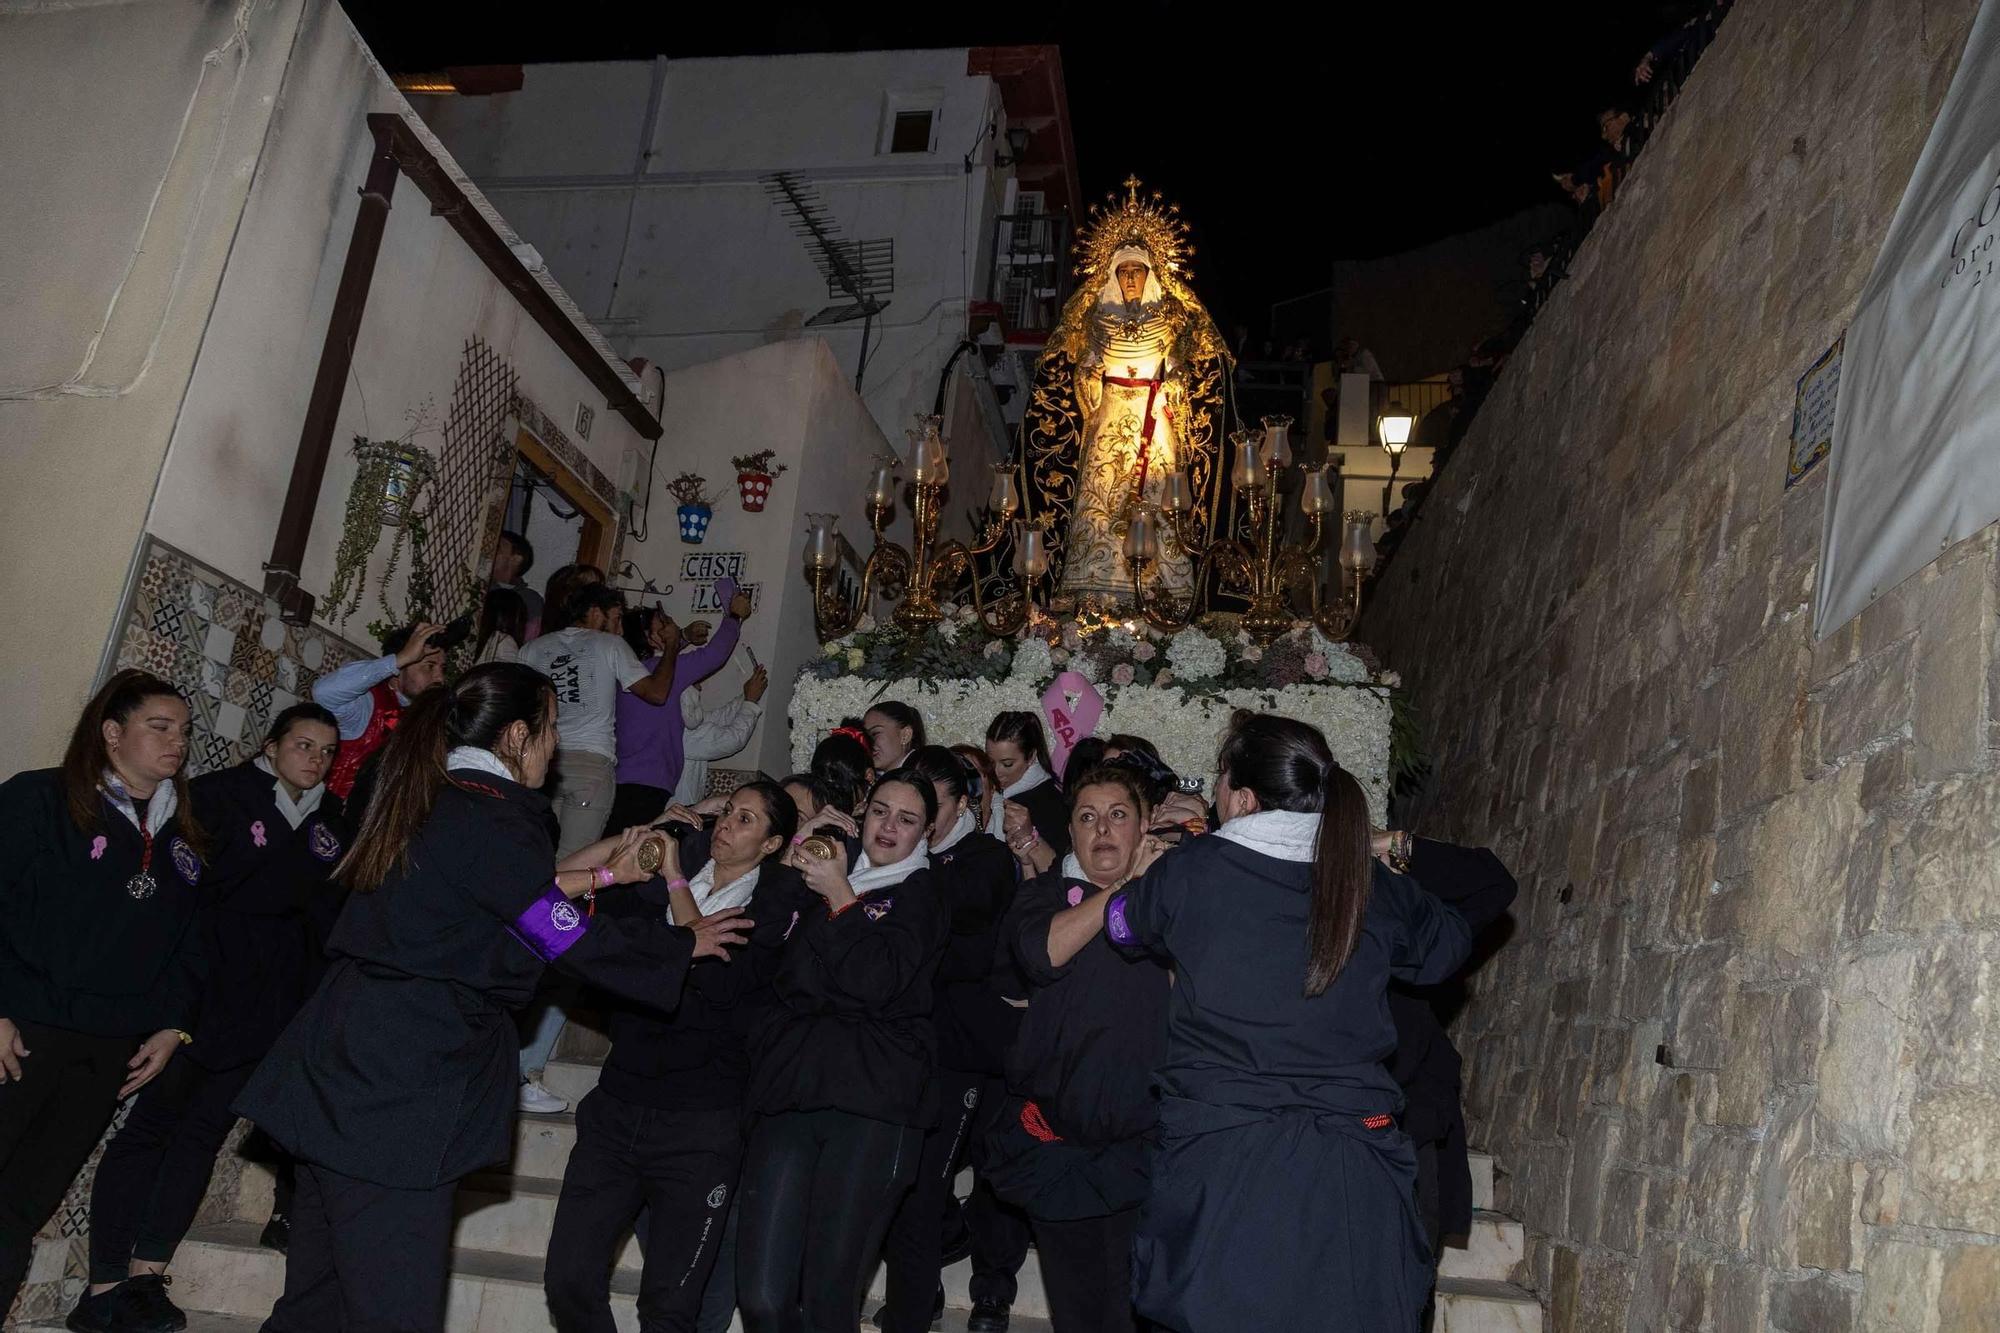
[842,908]
[603,876]
[798,838]
[673,884]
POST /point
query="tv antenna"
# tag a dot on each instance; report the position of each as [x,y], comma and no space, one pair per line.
[858,273]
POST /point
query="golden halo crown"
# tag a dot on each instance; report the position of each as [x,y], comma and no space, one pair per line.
[1148,222]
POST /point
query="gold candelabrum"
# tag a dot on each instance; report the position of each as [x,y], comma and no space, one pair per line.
[1252,559]
[1248,559]
[915,577]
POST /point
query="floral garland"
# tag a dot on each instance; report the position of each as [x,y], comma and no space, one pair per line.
[1177,690]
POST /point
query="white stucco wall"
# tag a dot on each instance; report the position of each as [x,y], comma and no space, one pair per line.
[132,135]
[226,473]
[640,184]
[793,398]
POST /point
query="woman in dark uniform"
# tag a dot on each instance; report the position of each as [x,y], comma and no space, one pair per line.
[1070,1146]
[102,948]
[1282,1191]
[663,1130]
[275,834]
[974,1028]
[1035,818]
[841,1071]
[398,1077]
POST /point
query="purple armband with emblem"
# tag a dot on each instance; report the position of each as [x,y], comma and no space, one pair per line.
[1115,925]
[550,926]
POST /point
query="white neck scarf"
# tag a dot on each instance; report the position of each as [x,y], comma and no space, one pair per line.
[1034,777]
[295,812]
[483,761]
[963,825]
[866,876]
[1074,868]
[709,899]
[1287,835]
[158,811]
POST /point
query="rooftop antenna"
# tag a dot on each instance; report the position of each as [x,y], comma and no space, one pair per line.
[861,272]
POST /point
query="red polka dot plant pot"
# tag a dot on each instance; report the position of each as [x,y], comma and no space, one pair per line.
[755,488]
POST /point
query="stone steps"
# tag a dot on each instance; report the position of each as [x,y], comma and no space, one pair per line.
[504,1218]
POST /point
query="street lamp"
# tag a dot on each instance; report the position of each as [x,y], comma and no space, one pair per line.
[1394,426]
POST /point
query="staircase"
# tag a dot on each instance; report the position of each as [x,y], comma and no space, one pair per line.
[227,1283]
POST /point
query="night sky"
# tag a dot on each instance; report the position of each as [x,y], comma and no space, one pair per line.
[1291,137]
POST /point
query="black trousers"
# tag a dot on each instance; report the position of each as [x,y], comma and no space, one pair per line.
[681,1167]
[635,803]
[156,1167]
[818,1188]
[364,1258]
[1087,1272]
[998,1230]
[930,1211]
[49,1121]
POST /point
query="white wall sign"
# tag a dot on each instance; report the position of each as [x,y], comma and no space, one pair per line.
[708,566]
[1915,465]
[1812,414]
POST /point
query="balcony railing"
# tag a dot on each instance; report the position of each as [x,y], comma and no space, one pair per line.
[1030,272]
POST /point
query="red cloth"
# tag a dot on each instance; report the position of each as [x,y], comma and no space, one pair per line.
[354,753]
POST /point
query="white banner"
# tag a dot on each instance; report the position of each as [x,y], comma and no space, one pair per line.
[1915,465]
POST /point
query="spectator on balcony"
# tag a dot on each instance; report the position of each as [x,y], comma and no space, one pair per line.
[1351,358]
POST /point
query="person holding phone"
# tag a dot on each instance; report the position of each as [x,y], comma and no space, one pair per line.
[367,698]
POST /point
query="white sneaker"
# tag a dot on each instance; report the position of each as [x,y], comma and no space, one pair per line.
[538,1100]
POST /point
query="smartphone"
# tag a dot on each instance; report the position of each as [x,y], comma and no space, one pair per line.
[452,635]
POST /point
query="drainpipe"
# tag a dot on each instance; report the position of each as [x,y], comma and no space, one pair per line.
[288,550]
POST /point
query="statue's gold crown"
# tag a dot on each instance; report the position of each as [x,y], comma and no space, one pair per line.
[1148,222]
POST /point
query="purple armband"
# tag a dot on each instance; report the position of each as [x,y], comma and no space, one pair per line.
[549,926]
[1115,925]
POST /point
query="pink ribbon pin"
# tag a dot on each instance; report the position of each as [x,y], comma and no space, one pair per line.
[97,846]
[1073,707]
[257,833]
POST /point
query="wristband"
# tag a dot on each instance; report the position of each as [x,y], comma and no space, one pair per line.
[603,876]
[673,884]
[842,908]
[798,838]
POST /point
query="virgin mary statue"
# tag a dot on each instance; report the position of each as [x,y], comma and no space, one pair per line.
[1126,392]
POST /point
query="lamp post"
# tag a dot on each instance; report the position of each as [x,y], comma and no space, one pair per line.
[1394,425]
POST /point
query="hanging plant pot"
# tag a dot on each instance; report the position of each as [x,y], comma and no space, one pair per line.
[755,488]
[694,523]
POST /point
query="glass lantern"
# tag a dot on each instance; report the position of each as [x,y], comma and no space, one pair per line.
[1031,555]
[1316,496]
[1141,542]
[1357,548]
[882,484]
[1277,441]
[1176,493]
[1006,497]
[1248,470]
[823,542]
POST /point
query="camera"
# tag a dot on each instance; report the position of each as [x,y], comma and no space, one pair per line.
[453,634]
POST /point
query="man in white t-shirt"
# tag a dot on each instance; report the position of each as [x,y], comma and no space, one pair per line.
[589,667]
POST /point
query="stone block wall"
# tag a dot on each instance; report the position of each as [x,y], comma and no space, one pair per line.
[1741,1055]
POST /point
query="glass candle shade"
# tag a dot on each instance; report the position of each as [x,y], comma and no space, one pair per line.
[1031,555]
[1277,441]
[1006,497]
[1141,542]
[1176,494]
[1357,549]
[1316,496]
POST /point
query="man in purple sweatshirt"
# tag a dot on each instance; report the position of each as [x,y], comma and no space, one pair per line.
[650,735]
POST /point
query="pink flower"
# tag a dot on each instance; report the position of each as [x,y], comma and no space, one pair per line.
[1121,674]
[1059,655]
[1072,637]
[1075,895]
[97,846]
[1144,652]
[1165,677]
[1316,665]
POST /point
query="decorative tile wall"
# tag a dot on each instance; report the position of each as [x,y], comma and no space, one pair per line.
[240,665]
[224,644]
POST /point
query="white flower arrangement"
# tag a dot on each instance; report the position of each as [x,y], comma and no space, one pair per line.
[1187,729]
[1195,656]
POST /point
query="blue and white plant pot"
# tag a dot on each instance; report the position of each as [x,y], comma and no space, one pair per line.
[694,523]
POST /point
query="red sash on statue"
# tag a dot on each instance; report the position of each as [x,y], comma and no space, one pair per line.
[354,753]
[1152,388]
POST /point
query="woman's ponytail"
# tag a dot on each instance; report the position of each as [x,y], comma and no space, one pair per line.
[1289,766]
[411,769]
[1342,878]
[475,711]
